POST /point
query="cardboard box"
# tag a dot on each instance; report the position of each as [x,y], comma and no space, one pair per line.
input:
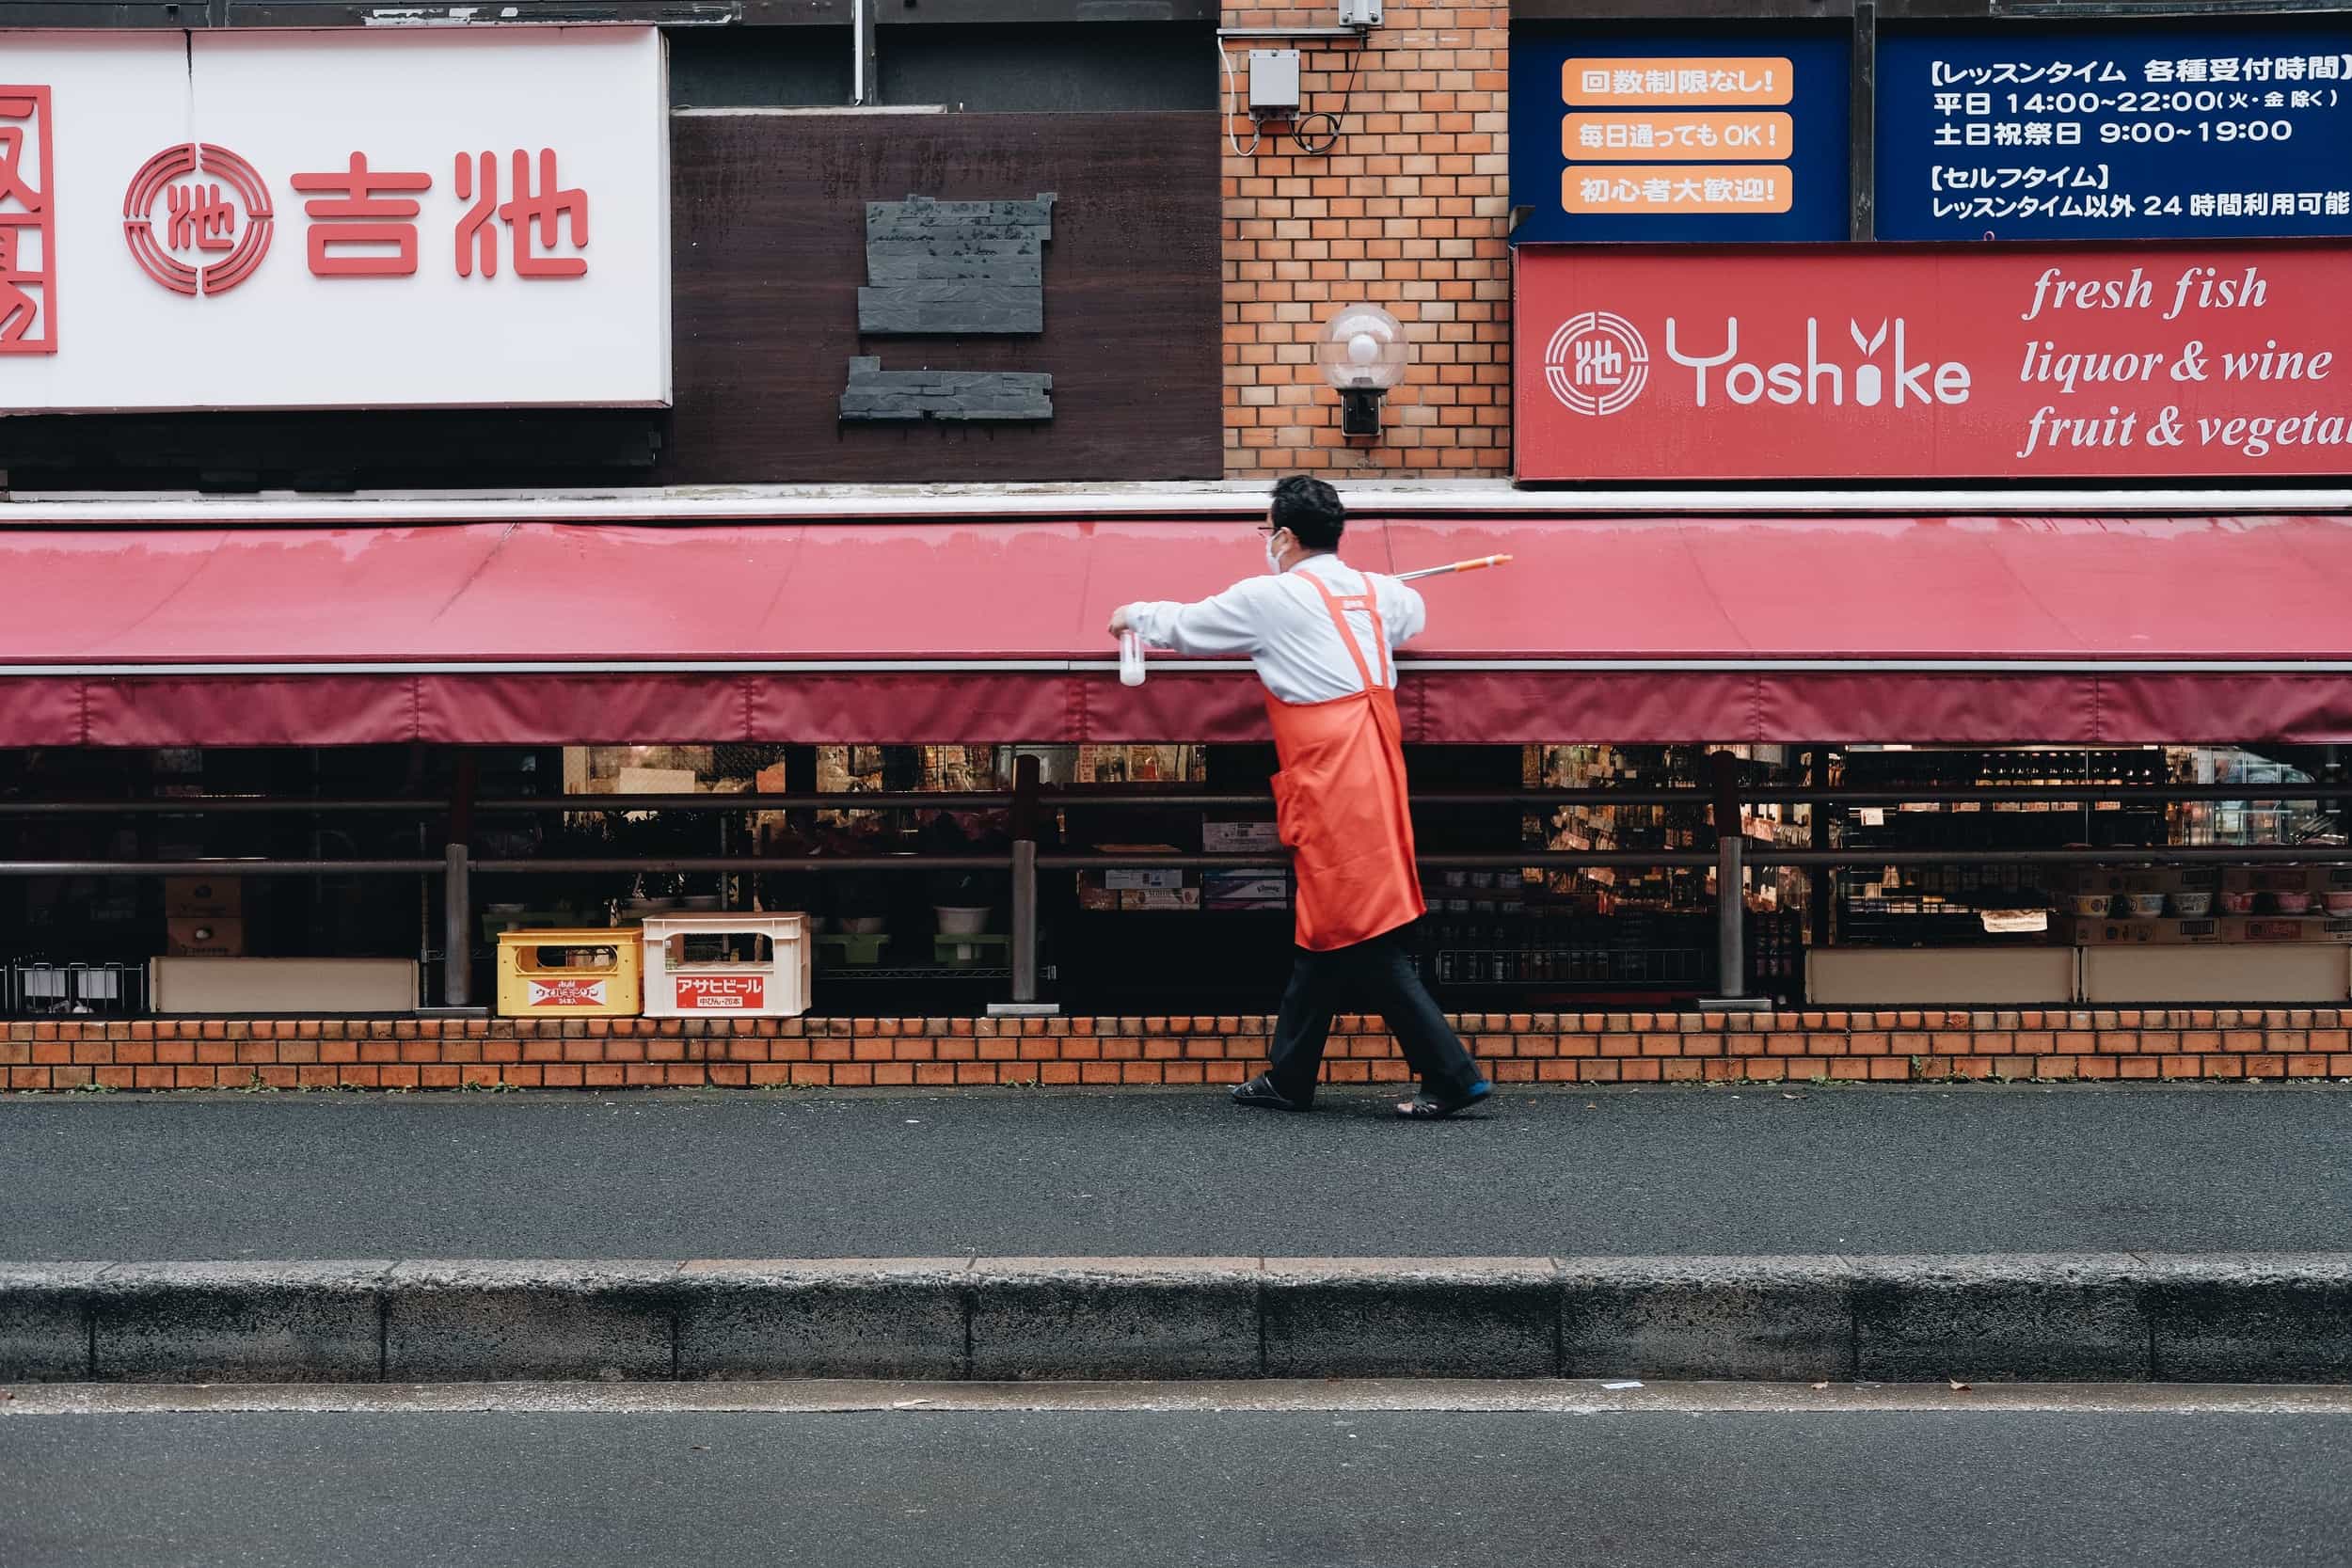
[204,938]
[2169,878]
[2286,879]
[2286,928]
[1137,880]
[2084,932]
[1246,888]
[203,898]
[1238,838]
[1160,898]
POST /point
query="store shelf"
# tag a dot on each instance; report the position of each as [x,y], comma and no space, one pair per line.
[914,972]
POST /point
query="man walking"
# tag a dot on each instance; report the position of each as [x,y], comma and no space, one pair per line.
[1321,635]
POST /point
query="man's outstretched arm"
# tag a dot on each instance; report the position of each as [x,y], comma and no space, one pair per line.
[1226,624]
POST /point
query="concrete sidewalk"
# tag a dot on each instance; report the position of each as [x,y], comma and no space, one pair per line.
[1751,1170]
[2099,1234]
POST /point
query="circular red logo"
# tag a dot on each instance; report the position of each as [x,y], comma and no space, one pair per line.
[1596,363]
[203,202]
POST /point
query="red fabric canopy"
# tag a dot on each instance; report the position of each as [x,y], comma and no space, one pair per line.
[1968,630]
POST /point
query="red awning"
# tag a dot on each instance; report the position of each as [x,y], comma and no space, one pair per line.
[1969,629]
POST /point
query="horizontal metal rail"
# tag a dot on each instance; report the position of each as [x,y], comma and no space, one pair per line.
[853,801]
[2185,854]
[740,863]
[1494,860]
[217,805]
[555,804]
[1757,854]
[2007,793]
[1522,797]
[221,868]
[1061,797]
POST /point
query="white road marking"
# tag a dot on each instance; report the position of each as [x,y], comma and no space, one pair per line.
[1435,1396]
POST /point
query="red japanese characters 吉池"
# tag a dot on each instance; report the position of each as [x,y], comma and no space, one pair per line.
[28,263]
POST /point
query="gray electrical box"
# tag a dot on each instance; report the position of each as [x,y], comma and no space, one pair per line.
[1359,13]
[1273,81]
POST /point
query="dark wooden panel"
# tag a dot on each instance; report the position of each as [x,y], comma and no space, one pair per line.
[769,214]
[332,450]
[774,13]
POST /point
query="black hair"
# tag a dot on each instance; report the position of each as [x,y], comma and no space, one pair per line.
[1311,510]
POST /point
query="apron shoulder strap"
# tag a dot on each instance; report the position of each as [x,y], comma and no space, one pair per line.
[1369,602]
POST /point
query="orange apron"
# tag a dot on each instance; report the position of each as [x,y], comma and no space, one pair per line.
[1340,800]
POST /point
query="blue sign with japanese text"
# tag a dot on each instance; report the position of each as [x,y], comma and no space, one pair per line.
[2107,135]
[1729,137]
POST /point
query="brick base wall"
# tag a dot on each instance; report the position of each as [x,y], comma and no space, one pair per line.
[1517,1047]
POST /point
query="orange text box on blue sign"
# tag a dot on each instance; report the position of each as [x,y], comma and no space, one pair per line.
[1679,189]
[1601,81]
[1763,136]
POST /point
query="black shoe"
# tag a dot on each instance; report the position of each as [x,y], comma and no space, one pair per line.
[1260,1091]
[1429,1107]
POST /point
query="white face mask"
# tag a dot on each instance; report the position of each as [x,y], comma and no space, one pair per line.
[1273,557]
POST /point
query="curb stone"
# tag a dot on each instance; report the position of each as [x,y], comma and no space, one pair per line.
[2224,1317]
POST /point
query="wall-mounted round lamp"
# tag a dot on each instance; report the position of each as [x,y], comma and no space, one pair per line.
[1364,353]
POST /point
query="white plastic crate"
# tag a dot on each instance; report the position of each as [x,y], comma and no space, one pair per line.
[86,990]
[732,965]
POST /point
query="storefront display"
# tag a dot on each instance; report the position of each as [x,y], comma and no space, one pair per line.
[1988,927]
[1987,924]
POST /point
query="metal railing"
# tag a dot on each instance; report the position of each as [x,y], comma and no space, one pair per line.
[1731,859]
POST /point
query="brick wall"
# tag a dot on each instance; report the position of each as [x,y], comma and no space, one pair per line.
[1519,1048]
[1408,211]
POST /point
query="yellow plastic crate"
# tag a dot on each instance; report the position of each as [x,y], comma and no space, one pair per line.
[574,974]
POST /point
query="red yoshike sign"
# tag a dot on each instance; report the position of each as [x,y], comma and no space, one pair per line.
[1808,363]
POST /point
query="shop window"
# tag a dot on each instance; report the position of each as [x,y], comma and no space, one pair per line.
[1982,899]
[1583,826]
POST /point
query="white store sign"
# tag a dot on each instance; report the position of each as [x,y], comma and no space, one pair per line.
[344,219]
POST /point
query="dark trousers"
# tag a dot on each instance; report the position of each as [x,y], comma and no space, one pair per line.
[1375,976]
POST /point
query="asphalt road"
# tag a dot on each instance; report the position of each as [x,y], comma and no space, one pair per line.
[1143,1488]
[751,1174]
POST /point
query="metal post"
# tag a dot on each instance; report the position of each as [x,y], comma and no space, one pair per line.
[457,883]
[1821,879]
[1730,955]
[456,932]
[1731,959]
[1025,920]
[1023,821]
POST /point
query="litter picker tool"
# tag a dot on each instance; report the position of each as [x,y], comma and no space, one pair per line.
[1478,564]
[1130,646]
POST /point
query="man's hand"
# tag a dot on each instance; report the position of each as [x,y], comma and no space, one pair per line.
[1120,623]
